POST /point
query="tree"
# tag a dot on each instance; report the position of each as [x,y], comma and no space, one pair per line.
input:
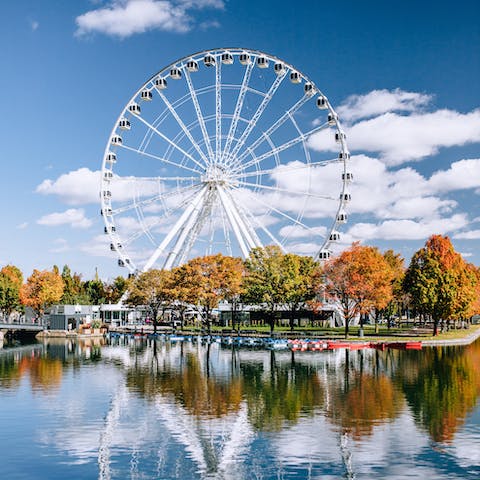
[396,264]
[301,279]
[95,291]
[208,280]
[115,290]
[11,279]
[43,288]
[152,290]
[439,281]
[360,280]
[264,282]
[74,291]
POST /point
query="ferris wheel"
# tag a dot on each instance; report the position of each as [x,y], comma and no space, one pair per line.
[223,151]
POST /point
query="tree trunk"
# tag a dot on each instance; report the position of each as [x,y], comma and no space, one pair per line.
[346,328]
[435,326]
[292,318]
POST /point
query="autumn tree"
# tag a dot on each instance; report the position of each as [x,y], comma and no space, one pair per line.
[10,284]
[210,279]
[439,282]
[152,290]
[396,264]
[42,289]
[360,280]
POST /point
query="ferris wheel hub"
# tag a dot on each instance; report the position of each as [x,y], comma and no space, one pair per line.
[217,174]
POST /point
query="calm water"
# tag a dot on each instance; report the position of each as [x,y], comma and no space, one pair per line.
[134,410]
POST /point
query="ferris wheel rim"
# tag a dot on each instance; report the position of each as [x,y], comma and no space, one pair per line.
[181,65]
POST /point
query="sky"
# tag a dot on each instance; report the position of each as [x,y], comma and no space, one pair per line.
[402,75]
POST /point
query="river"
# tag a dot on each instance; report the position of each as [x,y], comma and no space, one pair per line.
[134,409]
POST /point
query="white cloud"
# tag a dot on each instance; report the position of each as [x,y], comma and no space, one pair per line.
[60,246]
[400,138]
[82,186]
[123,18]
[34,25]
[466,254]
[378,102]
[77,187]
[471,235]
[22,226]
[461,175]
[75,217]
[407,229]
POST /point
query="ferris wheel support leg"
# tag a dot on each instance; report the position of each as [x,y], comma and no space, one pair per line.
[235,227]
[186,229]
[181,221]
[241,223]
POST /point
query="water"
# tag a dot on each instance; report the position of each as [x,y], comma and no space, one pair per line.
[138,410]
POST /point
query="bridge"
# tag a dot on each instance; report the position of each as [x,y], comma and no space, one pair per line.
[13,328]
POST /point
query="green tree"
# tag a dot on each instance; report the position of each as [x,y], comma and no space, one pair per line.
[115,289]
[264,282]
[95,291]
[9,295]
[74,291]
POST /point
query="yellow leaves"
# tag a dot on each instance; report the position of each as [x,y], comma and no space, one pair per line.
[43,288]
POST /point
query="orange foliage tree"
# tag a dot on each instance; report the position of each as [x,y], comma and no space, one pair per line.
[440,283]
[360,279]
[42,289]
[205,281]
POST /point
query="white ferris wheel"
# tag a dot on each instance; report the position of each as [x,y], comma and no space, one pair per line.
[223,151]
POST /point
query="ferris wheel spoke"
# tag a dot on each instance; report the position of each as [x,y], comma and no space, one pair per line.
[198,110]
[156,179]
[167,213]
[218,109]
[281,213]
[261,108]
[170,142]
[164,160]
[286,190]
[155,198]
[265,229]
[184,218]
[283,168]
[275,151]
[275,126]
[238,109]
[183,127]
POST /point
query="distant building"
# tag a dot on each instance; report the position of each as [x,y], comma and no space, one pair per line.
[70,317]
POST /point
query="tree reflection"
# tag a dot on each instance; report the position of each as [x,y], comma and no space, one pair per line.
[442,387]
[282,394]
[188,383]
[44,372]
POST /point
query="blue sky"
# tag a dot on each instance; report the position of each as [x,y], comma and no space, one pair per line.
[403,75]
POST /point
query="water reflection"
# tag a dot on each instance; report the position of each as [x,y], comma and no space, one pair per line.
[188,410]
